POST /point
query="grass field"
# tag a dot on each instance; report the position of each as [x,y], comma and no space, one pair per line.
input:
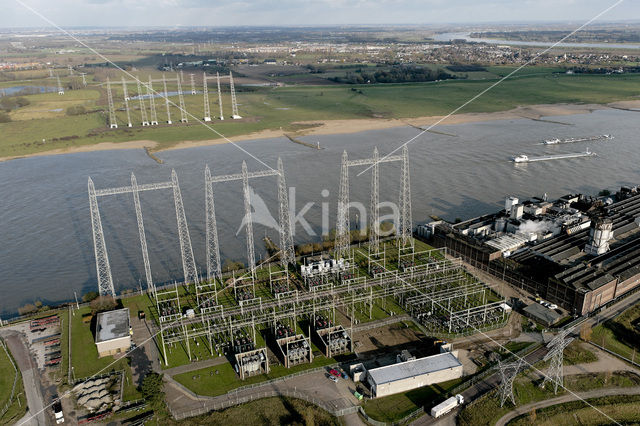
[268,411]
[84,356]
[268,108]
[622,409]
[207,382]
[619,334]
[395,407]
[7,375]
[487,410]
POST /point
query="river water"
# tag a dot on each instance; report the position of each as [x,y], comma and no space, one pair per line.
[467,37]
[45,230]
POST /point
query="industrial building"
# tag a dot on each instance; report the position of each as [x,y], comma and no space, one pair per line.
[412,374]
[579,252]
[113,334]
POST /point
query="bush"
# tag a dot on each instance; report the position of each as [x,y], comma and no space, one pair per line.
[76,110]
[4,117]
[27,309]
[103,303]
[89,296]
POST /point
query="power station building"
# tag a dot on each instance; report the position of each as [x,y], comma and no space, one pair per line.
[113,332]
[412,374]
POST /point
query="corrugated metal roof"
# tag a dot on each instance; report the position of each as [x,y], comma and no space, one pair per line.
[404,370]
[112,325]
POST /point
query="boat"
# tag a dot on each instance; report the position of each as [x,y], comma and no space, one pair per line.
[557,141]
[523,158]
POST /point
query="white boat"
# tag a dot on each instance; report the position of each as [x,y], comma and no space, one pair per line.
[556,141]
[522,158]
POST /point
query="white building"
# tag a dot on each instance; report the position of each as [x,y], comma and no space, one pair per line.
[413,374]
[113,332]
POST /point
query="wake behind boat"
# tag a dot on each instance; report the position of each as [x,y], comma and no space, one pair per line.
[557,141]
[523,158]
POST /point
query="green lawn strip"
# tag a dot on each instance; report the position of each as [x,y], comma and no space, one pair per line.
[622,408]
[487,410]
[395,407]
[18,406]
[206,382]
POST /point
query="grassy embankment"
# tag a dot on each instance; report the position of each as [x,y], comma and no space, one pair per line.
[487,410]
[267,411]
[620,334]
[267,108]
[18,406]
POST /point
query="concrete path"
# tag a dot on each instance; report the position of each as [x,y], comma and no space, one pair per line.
[36,415]
[566,398]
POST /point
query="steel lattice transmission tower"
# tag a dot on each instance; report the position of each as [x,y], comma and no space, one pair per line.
[234,102]
[103,269]
[142,234]
[508,373]
[126,102]
[251,256]
[213,248]
[183,110]
[143,111]
[556,355]
[219,95]
[374,226]
[188,261]
[166,98]
[60,88]
[193,84]
[112,112]
[152,103]
[84,79]
[207,111]
[406,221]
[343,236]
[287,254]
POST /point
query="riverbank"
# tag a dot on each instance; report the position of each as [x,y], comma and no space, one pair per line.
[348,126]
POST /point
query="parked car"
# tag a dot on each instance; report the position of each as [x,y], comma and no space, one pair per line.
[334,379]
[334,372]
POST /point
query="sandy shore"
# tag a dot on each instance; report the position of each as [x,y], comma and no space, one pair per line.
[332,127]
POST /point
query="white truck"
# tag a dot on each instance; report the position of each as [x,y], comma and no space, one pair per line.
[446,406]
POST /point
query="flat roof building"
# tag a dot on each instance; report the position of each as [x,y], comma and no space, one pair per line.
[112,332]
[413,374]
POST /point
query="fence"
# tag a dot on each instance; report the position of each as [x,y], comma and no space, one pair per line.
[283,378]
[221,405]
[15,380]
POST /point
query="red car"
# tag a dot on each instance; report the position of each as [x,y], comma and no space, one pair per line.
[334,373]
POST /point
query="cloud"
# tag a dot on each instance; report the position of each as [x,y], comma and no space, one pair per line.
[304,12]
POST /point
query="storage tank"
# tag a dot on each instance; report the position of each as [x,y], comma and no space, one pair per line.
[510,202]
[599,236]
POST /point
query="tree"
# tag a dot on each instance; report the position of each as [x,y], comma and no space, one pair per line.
[152,391]
[76,110]
[585,332]
[89,296]
[103,303]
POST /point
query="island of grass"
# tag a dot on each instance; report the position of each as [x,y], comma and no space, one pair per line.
[11,410]
[46,125]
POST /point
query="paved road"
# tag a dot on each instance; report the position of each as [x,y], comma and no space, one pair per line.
[566,398]
[18,347]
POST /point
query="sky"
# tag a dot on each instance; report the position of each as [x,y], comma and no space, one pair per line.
[170,13]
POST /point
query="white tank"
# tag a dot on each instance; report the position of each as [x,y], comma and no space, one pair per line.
[599,236]
[510,202]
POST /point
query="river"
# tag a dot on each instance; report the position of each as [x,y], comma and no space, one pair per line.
[47,248]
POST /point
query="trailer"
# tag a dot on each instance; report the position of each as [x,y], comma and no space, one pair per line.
[447,405]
